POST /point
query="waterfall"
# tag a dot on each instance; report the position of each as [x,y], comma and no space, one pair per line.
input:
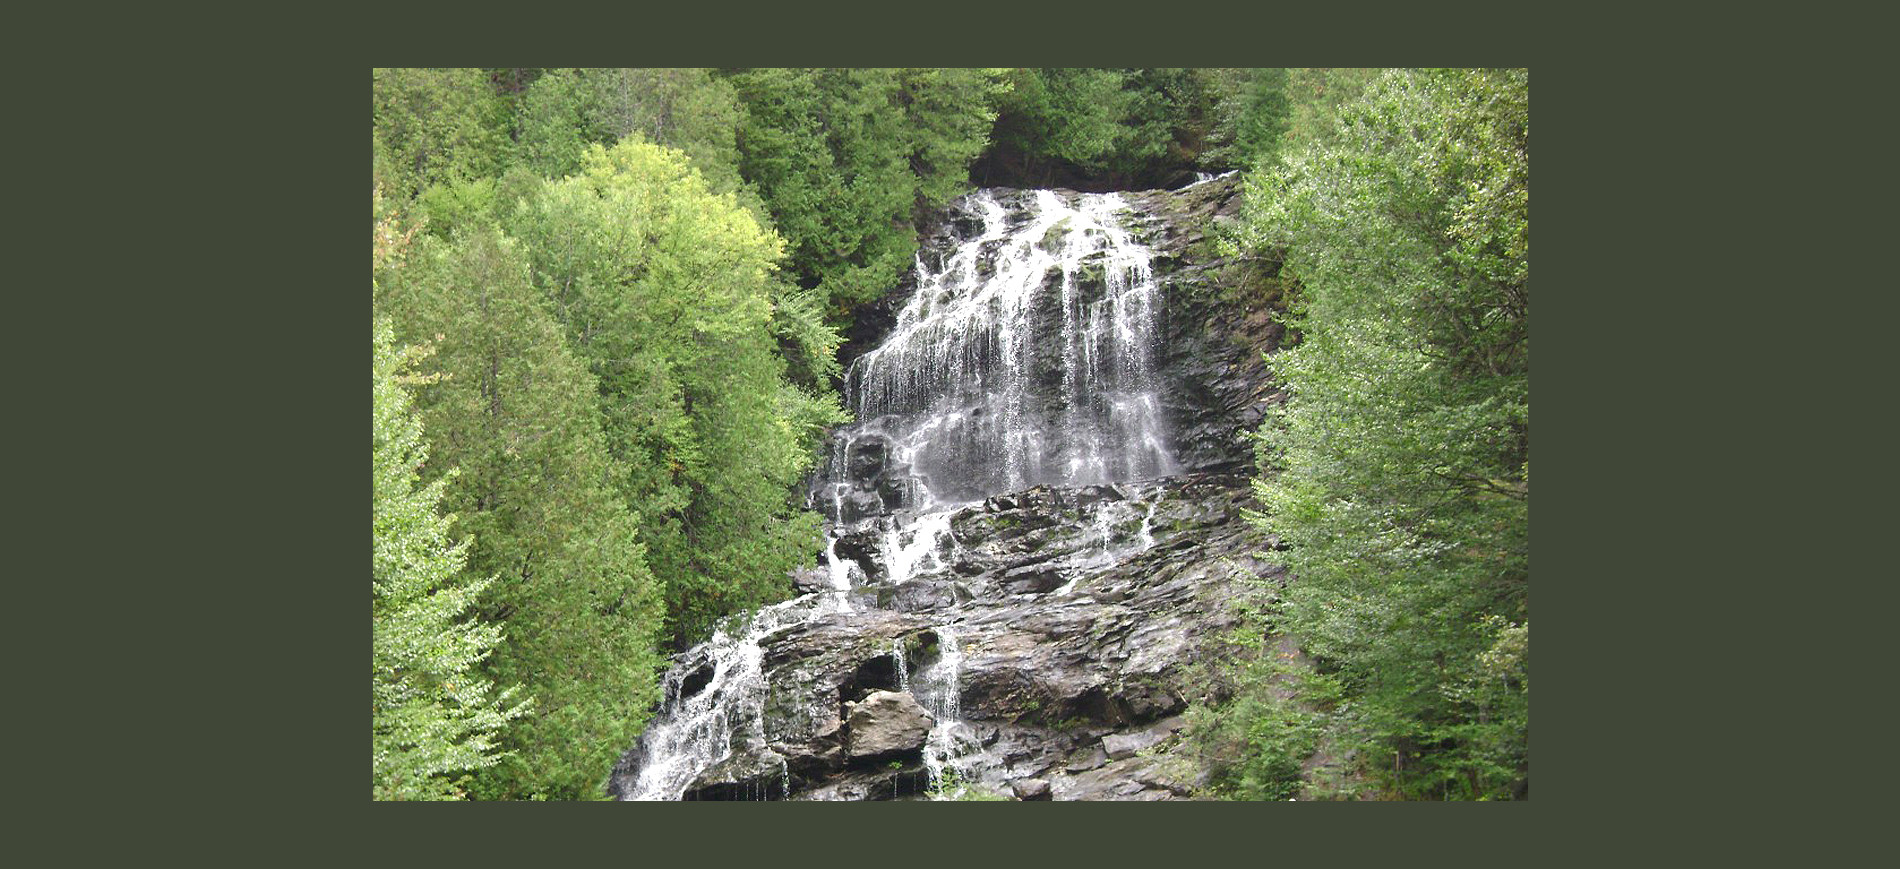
[1204,177]
[912,545]
[839,571]
[1027,355]
[1110,517]
[699,724]
[939,688]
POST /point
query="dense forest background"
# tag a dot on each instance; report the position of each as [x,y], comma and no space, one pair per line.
[608,306]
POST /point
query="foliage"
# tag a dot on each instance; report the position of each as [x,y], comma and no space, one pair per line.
[456,204]
[515,412]
[1062,114]
[1315,96]
[566,110]
[1251,117]
[666,290]
[1098,128]
[436,125]
[432,712]
[846,159]
[1256,744]
[1398,471]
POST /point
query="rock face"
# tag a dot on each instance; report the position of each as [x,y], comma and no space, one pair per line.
[1037,641]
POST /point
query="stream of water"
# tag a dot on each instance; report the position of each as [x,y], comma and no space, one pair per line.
[1026,356]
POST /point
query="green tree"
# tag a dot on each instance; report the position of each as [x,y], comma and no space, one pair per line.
[1398,471]
[666,290]
[1315,96]
[1059,115]
[567,110]
[1251,117]
[436,125]
[1098,128]
[847,160]
[433,713]
[515,412]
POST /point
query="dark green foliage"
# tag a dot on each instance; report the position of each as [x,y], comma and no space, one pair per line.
[1052,116]
[1098,129]
[436,125]
[566,110]
[1256,746]
[514,411]
[846,159]
[1399,469]
[667,292]
[433,713]
[1250,120]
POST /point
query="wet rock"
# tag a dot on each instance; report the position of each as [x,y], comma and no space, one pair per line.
[1120,746]
[1031,579]
[1076,689]
[1030,789]
[811,579]
[885,724]
[1087,759]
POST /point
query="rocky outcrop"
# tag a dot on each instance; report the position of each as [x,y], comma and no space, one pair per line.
[1080,687]
[1030,789]
[1220,322]
[1045,642]
[885,724]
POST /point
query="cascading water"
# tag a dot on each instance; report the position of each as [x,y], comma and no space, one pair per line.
[1205,177]
[1110,519]
[938,688]
[1026,356]
[913,545]
[714,697]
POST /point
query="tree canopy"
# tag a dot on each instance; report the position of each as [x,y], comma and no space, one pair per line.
[1398,470]
[433,713]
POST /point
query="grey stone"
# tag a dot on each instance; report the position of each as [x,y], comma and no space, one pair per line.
[883,724]
[1030,789]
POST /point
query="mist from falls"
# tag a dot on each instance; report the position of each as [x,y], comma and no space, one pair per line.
[1026,356]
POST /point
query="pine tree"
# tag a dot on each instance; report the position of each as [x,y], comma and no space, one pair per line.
[433,126]
[433,713]
[514,411]
[667,291]
[1399,469]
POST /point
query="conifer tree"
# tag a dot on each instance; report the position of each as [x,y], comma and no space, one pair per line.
[1398,471]
[514,411]
[668,292]
[433,713]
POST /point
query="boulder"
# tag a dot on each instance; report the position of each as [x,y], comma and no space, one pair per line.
[885,724]
[1032,579]
[1120,746]
[810,579]
[1029,789]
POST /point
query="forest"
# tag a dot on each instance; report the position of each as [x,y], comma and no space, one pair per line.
[626,327]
